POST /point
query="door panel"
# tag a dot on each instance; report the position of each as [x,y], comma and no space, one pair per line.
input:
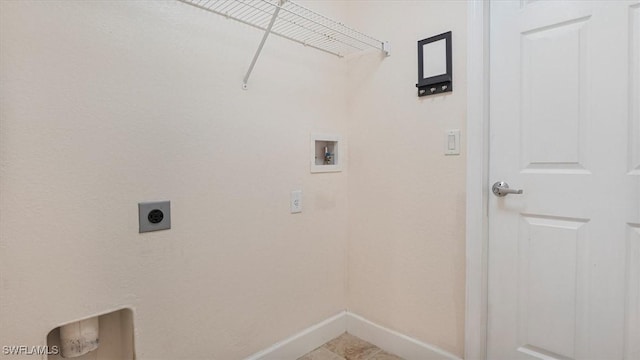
[553,121]
[632,343]
[633,293]
[550,283]
[563,257]
[634,89]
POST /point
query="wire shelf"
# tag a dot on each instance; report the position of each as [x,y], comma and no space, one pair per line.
[294,22]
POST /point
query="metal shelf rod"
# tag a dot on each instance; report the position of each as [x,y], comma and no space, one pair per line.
[293,22]
[264,39]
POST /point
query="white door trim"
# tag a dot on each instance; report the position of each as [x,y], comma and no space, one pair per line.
[477,178]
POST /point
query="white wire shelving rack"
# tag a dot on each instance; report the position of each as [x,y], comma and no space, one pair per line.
[294,22]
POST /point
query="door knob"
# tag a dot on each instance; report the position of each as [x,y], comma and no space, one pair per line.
[501,189]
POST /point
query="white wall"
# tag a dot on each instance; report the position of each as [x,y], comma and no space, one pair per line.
[108,103]
[105,104]
[406,199]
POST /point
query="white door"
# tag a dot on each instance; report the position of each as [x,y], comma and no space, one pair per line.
[564,256]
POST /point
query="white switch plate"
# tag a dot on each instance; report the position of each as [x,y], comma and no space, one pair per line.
[296,201]
[452,142]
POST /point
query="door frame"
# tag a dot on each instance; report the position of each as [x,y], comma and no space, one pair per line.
[477,221]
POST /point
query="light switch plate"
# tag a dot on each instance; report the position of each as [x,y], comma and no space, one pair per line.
[154,216]
[452,142]
[296,201]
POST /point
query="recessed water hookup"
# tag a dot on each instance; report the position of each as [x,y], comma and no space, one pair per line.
[325,153]
[154,216]
[92,337]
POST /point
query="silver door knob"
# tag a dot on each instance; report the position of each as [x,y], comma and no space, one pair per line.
[501,189]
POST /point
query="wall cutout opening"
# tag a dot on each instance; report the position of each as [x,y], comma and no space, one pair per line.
[114,340]
[325,153]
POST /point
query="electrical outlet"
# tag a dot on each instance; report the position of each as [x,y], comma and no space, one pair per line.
[296,201]
[154,216]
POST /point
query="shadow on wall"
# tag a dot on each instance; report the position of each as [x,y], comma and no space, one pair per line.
[115,339]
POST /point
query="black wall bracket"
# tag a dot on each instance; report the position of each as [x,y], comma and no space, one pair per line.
[434,88]
[442,81]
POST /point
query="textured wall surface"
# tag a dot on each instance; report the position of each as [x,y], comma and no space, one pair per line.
[108,103]
[406,199]
[105,104]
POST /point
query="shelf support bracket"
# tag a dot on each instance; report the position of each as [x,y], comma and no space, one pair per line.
[386,48]
[264,39]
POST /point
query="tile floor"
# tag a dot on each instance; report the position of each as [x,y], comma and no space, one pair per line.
[349,347]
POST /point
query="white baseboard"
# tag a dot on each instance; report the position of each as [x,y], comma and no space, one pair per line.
[316,335]
[393,341]
[304,341]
